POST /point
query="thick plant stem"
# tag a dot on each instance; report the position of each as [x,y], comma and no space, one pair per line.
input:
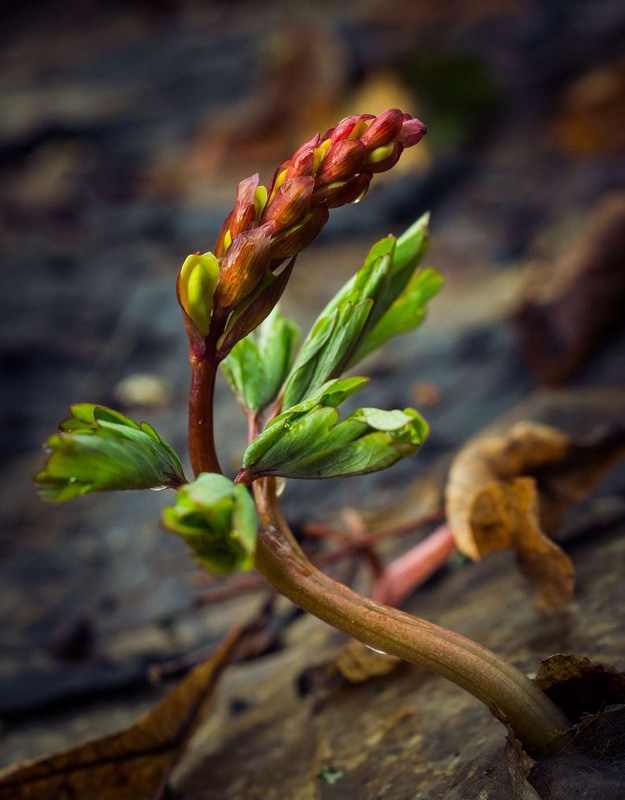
[511,696]
[204,362]
[201,430]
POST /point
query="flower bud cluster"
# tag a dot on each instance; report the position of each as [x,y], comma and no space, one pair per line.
[267,226]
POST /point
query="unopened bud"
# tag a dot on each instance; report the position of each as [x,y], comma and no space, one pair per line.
[196,284]
[342,161]
[343,192]
[290,203]
[249,204]
[292,241]
[412,131]
[303,159]
[244,212]
[346,127]
[243,266]
[224,238]
[384,129]
[384,158]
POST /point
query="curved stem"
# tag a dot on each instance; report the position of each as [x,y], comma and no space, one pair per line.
[510,695]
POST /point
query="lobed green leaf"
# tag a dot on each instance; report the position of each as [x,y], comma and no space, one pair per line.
[406,314]
[218,520]
[309,441]
[343,332]
[100,449]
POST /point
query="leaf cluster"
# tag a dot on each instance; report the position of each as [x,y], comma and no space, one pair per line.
[309,441]
[100,449]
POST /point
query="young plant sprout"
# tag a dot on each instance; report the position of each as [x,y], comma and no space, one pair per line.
[291,398]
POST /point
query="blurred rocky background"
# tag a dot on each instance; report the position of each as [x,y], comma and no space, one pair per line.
[124,128]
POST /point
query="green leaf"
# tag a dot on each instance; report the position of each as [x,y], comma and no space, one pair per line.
[217,519]
[412,245]
[330,395]
[406,314]
[336,340]
[339,328]
[100,449]
[257,365]
[308,441]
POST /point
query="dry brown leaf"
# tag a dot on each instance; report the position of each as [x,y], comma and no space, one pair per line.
[131,763]
[504,491]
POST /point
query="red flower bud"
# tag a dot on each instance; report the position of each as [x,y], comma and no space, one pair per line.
[278,176]
[256,311]
[241,218]
[412,131]
[291,242]
[389,156]
[290,203]
[383,129]
[243,266]
[343,192]
[303,159]
[224,238]
[244,211]
[342,161]
[346,126]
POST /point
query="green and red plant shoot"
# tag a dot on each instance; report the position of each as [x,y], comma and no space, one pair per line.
[291,398]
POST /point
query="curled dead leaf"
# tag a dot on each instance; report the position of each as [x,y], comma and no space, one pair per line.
[509,491]
[132,763]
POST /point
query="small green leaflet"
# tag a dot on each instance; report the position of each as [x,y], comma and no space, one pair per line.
[331,394]
[309,441]
[404,315]
[334,337]
[386,297]
[258,364]
[99,449]
[217,519]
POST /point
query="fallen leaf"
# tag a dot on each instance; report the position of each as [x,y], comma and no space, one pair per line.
[570,305]
[133,762]
[507,491]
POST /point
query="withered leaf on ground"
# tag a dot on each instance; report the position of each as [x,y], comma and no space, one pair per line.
[133,762]
[510,491]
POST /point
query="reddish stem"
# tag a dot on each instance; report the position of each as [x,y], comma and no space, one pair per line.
[204,365]
[414,567]
[201,437]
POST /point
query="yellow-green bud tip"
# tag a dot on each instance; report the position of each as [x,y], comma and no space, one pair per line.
[196,285]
